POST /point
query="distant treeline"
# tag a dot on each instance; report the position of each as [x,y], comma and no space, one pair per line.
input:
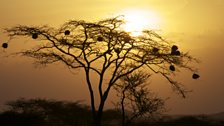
[42,112]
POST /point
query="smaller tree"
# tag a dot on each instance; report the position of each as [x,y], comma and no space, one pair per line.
[136,98]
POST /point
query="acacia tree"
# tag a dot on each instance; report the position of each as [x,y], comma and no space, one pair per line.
[104,49]
[135,97]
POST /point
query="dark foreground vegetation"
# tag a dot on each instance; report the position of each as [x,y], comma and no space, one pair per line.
[41,112]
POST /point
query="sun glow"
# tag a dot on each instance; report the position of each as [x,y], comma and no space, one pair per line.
[139,20]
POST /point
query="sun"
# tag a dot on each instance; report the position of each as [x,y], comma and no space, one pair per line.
[139,20]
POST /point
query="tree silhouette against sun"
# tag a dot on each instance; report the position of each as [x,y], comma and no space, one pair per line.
[102,48]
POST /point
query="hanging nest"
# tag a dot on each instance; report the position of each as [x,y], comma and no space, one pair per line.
[174,48]
[100,39]
[195,76]
[117,50]
[5,45]
[172,67]
[34,35]
[176,53]
[155,50]
[67,32]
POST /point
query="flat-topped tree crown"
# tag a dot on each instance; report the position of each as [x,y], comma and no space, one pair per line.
[103,47]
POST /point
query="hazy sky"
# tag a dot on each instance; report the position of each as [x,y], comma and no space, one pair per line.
[196,25]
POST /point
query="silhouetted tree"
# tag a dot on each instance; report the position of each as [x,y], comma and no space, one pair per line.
[136,98]
[104,49]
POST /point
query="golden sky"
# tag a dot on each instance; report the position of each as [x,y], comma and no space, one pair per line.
[196,25]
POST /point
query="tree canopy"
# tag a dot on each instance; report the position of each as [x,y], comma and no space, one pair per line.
[104,49]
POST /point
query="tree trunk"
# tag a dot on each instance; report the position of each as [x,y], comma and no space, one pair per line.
[122,108]
[98,120]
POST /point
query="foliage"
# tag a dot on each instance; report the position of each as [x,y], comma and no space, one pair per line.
[46,112]
[43,112]
[104,49]
[188,121]
[10,118]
